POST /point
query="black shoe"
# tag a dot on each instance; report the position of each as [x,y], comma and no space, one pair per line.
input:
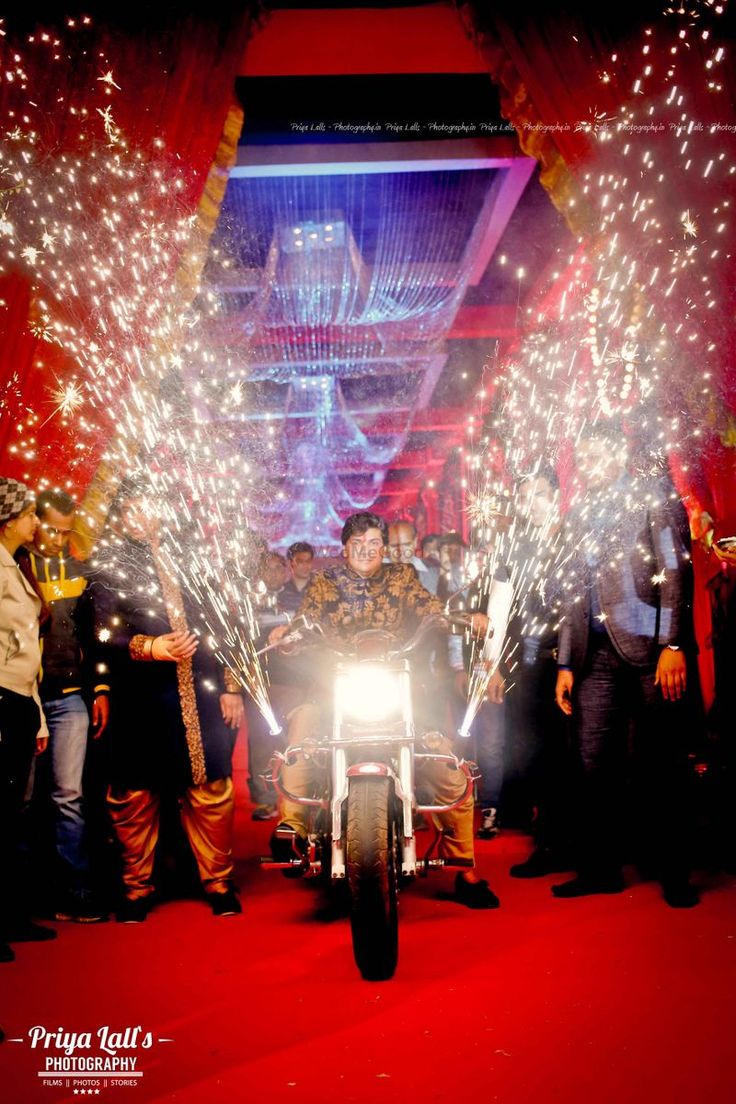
[287,845]
[680,894]
[587,886]
[539,863]
[225,903]
[134,910]
[28,932]
[6,953]
[81,909]
[475,895]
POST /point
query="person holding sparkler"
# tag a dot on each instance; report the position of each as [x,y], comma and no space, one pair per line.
[174,718]
[624,639]
[488,729]
[284,677]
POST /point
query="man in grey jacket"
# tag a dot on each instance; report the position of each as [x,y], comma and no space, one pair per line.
[23,731]
[624,640]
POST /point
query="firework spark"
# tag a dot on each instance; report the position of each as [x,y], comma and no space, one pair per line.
[111,130]
[108,79]
[689,225]
[68,398]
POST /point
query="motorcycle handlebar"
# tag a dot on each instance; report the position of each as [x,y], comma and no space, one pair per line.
[302,628]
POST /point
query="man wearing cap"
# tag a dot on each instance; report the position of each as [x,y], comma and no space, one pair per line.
[23,731]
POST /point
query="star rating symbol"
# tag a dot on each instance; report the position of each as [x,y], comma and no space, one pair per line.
[86,1092]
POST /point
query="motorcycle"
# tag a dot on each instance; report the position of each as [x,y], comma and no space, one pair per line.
[362,827]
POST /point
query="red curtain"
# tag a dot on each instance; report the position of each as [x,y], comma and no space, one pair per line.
[562,73]
[176,80]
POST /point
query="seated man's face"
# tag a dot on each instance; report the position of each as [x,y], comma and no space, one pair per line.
[301,565]
[364,552]
[274,574]
[138,518]
[537,500]
[451,555]
[600,463]
[431,551]
[401,543]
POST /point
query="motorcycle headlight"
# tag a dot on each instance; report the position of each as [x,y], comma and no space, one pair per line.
[370,694]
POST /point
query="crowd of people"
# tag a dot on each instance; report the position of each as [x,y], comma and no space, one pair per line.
[590,702]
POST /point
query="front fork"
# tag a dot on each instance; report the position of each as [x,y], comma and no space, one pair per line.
[406,794]
[340,784]
[404,788]
[403,781]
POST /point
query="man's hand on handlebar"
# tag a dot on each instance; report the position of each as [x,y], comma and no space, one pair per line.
[278,633]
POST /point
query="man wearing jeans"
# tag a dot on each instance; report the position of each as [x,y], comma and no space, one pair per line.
[623,657]
[70,678]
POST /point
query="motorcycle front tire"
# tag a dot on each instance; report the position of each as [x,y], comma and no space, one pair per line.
[372,877]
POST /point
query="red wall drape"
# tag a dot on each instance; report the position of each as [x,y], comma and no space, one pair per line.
[561,70]
[176,80]
[550,68]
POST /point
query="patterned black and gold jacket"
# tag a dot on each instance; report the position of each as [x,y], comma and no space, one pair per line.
[166,729]
[346,603]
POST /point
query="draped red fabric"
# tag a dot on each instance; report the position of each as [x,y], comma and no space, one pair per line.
[175,81]
[578,64]
[28,368]
[563,72]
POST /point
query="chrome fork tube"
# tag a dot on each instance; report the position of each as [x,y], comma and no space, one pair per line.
[339,790]
[406,781]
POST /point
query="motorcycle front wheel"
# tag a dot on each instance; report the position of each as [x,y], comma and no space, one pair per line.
[372,878]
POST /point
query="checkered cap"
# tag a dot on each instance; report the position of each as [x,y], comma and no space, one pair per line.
[14,497]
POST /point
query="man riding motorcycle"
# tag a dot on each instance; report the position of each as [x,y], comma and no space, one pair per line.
[366,593]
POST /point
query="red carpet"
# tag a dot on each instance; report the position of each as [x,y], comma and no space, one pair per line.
[610,999]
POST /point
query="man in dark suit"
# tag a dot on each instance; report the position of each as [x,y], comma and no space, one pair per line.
[624,640]
[175,718]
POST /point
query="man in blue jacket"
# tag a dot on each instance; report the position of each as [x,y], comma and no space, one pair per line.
[623,647]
